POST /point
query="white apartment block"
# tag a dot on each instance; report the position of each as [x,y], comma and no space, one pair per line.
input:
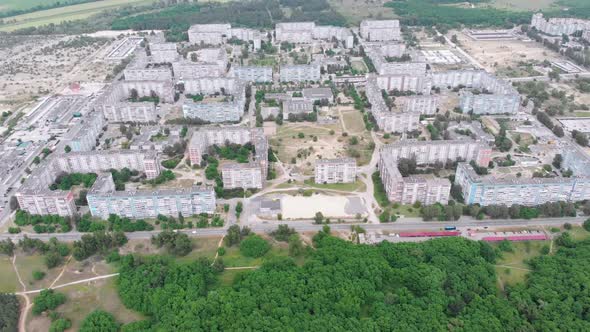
[35,197]
[397,122]
[422,104]
[100,161]
[213,112]
[164,52]
[455,78]
[201,140]
[252,35]
[417,84]
[244,176]
[42,201]
[257,74]
[163,89]
[103,200]
[300,73]
[430,152]
[88,132]
[380,30]
[151,73]
[213,85]
[491,190]
[586,35]
[186,70]
[387,120]
[294,32]
[209,34]
[141,112]
[335,170]
[306,32]
[559,26]
[484,103]
[415,188]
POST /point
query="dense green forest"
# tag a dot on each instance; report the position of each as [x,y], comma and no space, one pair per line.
[446,14]
[9,313]
[252,14]
[431,12]
[442,284]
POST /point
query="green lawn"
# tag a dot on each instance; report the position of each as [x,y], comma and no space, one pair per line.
[68,13]
[353,120]
[233,257]
[85,298]
[579,233]
[203,247]
[512,268]
[582,114]
[9,282]
[406,211]
[355,186]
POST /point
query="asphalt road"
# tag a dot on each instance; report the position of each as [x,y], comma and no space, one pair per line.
[307,226]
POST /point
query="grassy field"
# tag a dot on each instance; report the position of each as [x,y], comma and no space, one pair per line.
[102,294]
[233,257]
[353,120]
[522,5]
[58,15]
[355,186]
[355,11]
[582,114]
[406,211]
[7,275]
[512,267]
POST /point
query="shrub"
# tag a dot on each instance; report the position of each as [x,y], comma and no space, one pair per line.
[254,246]
[38,275]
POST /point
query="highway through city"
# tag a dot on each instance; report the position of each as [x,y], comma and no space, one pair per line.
[308,226]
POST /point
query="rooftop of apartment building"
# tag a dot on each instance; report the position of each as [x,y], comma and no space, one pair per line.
[494,180]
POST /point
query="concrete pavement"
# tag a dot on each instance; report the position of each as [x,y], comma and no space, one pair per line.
[413,224]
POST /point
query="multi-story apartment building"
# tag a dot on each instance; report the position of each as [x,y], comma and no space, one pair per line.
[100,161]
[586,35]
[490,190]
[430,152]
[335,170]
[104,200]
[380,30]
[186,70]
[229,110]
[306,32]
[163,89]
[294,32]
[423,104]
[36,198]
[236,175]
[300,73]
[213,112]
[411,83]
[248,35]
[164,52]
[88,132]
[484,103]
[415,188]
[201,140]
[209,34]
[149,73]
[576,160]
[140,112]
[388,121]
[214,85]
[256,74]
[559,26]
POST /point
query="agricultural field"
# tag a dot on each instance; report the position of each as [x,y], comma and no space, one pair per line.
[522,5]
[68,13]
[356,11]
